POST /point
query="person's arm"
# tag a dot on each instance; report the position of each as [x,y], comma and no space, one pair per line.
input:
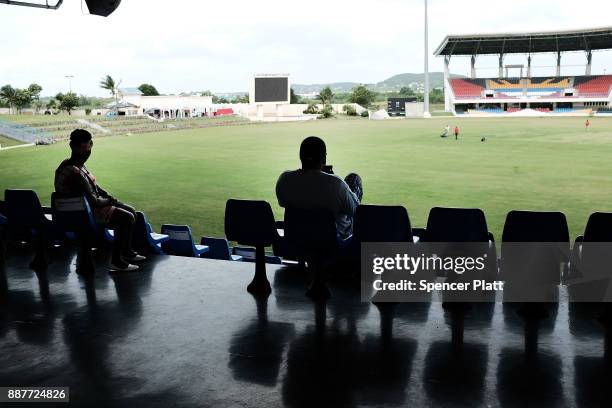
[92,197]
[348,200]
[103,192]
[280,191]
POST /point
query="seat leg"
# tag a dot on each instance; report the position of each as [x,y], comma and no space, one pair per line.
[2,246]
[260,284]
[85,264]
[318,289]
[39,263]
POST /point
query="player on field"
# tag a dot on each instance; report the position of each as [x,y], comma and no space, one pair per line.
[446,131]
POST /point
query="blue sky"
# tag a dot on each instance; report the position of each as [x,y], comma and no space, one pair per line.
[190,45]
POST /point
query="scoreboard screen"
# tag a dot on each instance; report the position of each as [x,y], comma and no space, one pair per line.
[397,106]
[272,89]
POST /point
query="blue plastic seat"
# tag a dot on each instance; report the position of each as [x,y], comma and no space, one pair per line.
[312,234]
[24,211]
[381,223]
[26,218]
[180,242]
[590,271]
[145,240]
[72,214]
[251,222]
[534,247]
[457,225]
[219,249]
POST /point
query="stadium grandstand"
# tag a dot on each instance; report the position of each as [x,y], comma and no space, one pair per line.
[505,94]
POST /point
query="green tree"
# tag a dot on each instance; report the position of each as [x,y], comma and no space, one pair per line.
[207,93]
[326,95]
[327,111]
[23,98]
[362,96]
[294,98]
[217,99]
[436,95]
[312,108]
[84,100]
[148,90]
[240,99]
[67,101]
[8,95]
[111,86]
[35,91]
[52,104]
[406,91]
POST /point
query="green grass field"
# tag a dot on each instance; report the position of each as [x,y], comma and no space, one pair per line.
[186,176]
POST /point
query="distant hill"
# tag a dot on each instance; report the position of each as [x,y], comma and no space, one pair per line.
[395,83]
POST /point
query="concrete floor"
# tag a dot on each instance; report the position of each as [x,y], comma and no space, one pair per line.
[184,332]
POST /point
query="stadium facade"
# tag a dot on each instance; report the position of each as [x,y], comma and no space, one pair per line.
[526,94]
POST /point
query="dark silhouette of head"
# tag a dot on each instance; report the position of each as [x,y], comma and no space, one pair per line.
[81,144]
[313,153]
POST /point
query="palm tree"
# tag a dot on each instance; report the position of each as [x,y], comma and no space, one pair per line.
[326,95]
[9,95]
[109,84]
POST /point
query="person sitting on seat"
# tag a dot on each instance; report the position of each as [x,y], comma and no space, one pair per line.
[314,186]
[72,177]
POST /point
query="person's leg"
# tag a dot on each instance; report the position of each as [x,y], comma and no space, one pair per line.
[355,184]
[122,222]
[129,252]
[126,207]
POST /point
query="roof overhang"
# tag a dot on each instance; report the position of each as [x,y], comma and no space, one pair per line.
[526,43]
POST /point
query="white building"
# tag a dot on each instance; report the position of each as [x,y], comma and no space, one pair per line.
[132,102]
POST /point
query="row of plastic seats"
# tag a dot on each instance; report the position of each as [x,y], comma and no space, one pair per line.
[312,234]
[69,217]
[29,219]
[181,243]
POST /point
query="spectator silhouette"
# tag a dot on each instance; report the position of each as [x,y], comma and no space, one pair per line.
[314,186]
[72,177]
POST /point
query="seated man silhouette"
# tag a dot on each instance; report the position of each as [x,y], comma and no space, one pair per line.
[314,186]
[72,177]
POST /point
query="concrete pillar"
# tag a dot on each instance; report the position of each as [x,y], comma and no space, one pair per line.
[501,66]
[589,63]
[559,64]
[447,87]
[473,72]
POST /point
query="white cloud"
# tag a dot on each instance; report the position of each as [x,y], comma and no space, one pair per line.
[194,45]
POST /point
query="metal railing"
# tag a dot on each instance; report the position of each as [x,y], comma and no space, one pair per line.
[24,133]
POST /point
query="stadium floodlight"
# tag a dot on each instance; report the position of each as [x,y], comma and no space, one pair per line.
[426,90]
[69,78]
[44,5]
